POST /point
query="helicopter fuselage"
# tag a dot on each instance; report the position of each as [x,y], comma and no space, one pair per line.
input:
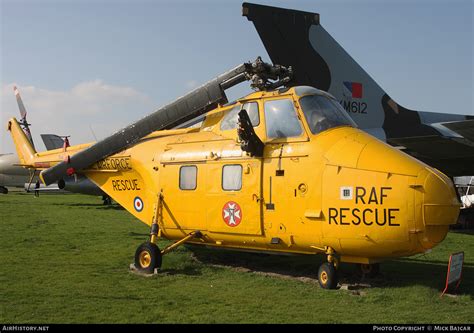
[338,188]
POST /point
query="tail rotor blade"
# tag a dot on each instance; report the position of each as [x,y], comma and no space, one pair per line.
[21,106]
[23,122]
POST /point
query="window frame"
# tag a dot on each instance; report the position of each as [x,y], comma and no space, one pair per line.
[258,112]
[196,178]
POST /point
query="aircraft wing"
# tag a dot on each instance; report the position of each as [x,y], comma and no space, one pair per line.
[464,128]
[50,188]
[452,150]
[453,155]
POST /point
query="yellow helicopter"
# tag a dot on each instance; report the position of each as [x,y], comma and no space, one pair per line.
[283,169]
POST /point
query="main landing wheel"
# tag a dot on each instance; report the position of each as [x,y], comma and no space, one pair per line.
[148,257]
[327,276]
[368,270]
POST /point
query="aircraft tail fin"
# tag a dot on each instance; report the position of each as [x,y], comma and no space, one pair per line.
[296,38]
[52,141]
[25,150]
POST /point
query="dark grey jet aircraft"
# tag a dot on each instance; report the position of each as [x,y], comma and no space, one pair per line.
[296,38]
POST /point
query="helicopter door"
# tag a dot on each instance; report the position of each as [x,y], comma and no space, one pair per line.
[182,187]
[233,204]
[285,176]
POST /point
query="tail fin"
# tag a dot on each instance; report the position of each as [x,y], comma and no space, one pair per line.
[53,141]
[26,151]
[295,38]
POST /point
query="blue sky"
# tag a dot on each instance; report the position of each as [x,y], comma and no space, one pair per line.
[103,64]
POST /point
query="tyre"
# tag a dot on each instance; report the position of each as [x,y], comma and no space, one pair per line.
[327,276]
[368,270]
[147,258]
[3,190]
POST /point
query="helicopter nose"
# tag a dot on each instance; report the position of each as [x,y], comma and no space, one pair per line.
[435,200]
[388,197]
[436,206]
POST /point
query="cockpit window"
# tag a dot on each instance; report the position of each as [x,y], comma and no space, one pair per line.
[231,118]
[252,111]
[281,119]
[323,113]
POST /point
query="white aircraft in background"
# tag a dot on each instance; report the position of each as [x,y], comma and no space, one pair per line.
[12,174]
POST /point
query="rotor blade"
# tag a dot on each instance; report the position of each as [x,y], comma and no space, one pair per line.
[191,105]
[23,122]
[199,101]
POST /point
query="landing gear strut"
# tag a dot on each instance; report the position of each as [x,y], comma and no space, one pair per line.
[148,256]
[327,274]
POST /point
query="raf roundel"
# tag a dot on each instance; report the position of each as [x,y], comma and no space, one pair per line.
[232,214]
[138,204]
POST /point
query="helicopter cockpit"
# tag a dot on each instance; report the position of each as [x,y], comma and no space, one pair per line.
[281,116]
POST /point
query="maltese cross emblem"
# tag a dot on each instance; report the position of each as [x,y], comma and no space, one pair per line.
[232,214]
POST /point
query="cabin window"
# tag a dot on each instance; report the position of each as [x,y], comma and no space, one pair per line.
[188,177]
[232,116]
[232,177]
[281,119]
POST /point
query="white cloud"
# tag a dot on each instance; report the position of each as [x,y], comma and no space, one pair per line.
[105,107]
[191,84]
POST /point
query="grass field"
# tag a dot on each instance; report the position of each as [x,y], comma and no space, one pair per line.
[65,259]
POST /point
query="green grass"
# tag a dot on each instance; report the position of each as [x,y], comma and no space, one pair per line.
[65,259]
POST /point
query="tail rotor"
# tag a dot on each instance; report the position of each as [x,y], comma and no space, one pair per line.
[23,122]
